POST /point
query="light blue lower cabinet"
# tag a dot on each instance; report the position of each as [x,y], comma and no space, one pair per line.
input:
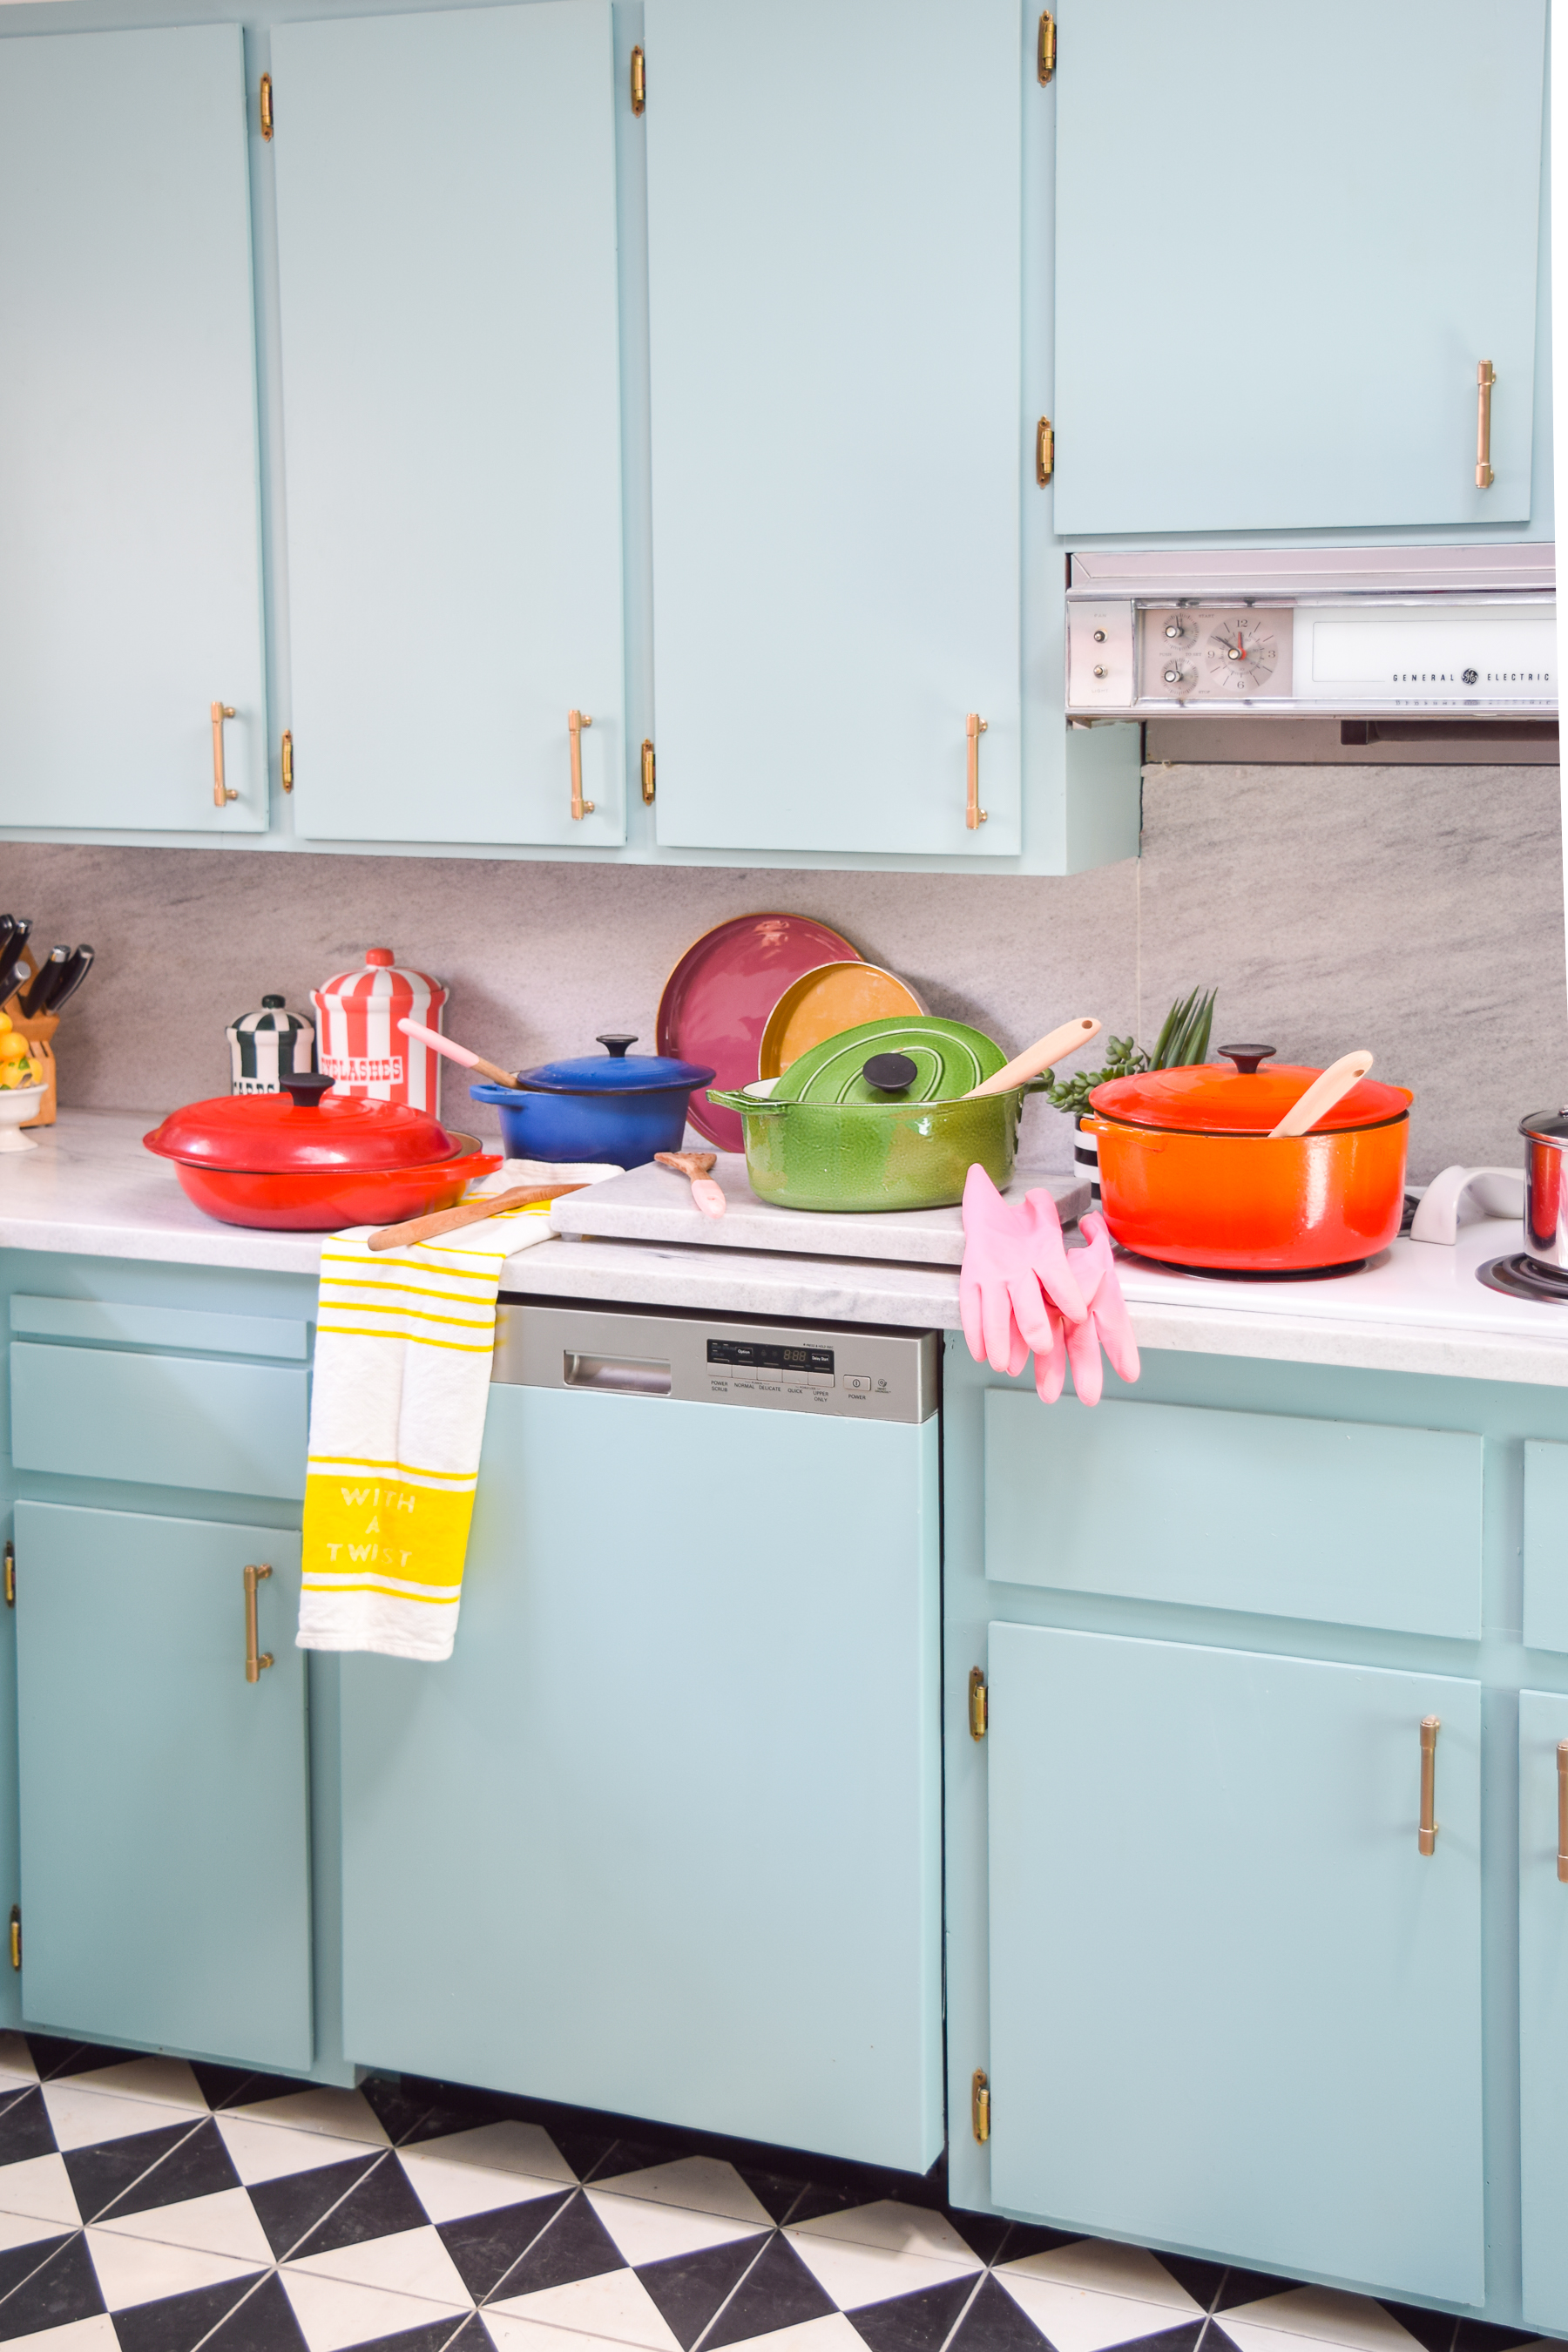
[1543,2008]
[164,1834]
[1232,2004]
[662,1836]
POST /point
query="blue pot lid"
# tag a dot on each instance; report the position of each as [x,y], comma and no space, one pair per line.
[615,1072]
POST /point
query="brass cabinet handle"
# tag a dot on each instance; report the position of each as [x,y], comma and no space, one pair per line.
[1562,1810]
[1486,376]
[266,108]
[255,1659]
[974,815]
[639,80]
[1427,1836]
[647,769]
[285,758]
[222,793]
[575,722]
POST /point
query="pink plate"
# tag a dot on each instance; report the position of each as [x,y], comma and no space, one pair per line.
[717,1001]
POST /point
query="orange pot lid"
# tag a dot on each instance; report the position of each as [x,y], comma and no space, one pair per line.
[1208,1098]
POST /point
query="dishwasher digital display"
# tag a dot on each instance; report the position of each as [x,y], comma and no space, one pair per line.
[766,1355]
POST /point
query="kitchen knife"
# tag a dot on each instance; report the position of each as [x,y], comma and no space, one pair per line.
[12,967]
[71,979]
[35,1000]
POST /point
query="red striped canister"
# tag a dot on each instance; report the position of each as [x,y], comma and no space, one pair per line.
[359,1043]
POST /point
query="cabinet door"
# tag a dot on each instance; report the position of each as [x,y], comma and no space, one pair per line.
[661,1837]
[451,403]
[834,218]
[1543,2009]
[1232,2005]
[165,1893]
[130,552]
[1268,316]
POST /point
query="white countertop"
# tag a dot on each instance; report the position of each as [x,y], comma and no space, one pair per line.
[91,1189]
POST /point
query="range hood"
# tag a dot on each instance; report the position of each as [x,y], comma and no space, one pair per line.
[1397,643]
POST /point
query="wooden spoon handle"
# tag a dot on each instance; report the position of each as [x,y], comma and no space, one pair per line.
[688,1164]
[1328,1088]
[467,1212]
[1037,1059]
[459,1054]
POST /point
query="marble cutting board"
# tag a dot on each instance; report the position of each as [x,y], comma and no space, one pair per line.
[654,1205]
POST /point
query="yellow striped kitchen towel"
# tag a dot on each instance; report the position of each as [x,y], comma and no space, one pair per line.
[403,1343]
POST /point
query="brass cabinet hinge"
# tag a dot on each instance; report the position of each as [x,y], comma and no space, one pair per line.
[16,1935]
[267,106]
[639,80]
[980,2106]
[1045,55]
[979,1704]
[647,769]
[1045,451]
[285,758]
[10,1574]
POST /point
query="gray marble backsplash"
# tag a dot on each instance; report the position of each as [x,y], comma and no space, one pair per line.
[1417,911]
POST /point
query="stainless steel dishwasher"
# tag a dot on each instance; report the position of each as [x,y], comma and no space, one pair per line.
[662,1837]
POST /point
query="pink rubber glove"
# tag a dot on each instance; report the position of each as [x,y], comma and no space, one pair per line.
[1014,1262]
[1108,1325]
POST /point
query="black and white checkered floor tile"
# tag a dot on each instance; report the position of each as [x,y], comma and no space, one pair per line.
[150,2206]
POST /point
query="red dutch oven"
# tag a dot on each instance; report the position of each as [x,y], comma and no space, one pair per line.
[309,1160]
[1189,1172]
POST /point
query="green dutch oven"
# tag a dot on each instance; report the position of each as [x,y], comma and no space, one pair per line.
[871,1120]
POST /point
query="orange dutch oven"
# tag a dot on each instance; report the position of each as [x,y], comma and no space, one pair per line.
[1190,1173]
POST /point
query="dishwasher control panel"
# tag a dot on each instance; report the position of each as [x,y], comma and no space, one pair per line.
[843,1372]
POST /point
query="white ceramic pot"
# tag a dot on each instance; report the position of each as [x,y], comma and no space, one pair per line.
[16,1104]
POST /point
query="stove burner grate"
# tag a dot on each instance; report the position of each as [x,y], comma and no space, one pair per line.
[1522,1276]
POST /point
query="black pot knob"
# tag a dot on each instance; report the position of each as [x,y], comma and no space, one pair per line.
[890,1073]
[615,1042]
[1246,1057]
[306,1089]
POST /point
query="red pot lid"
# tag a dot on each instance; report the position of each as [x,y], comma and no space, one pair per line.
[265,1135]
[1208,1099]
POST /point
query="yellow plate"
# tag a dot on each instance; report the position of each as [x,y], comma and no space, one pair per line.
[824,1002]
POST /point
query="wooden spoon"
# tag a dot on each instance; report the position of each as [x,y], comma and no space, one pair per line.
[1329,1086]
[698,1165]
[467,1212]
[460,1053]
[1035,1059]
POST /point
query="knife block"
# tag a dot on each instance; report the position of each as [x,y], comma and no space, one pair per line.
[38,1035]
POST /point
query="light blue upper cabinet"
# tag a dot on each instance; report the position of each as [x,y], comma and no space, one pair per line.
[834,227]
[1283,246]
[130,547]
[450,336]
[1233,2005]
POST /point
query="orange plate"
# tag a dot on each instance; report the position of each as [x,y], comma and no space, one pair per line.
[1253,1203]
[322,1202]
[823,1002]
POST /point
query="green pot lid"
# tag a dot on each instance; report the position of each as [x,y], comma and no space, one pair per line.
[948,1058]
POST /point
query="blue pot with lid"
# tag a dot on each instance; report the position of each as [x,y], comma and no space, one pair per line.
[617,1106]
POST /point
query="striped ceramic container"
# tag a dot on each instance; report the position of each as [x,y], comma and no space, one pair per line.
[265,1047]
[360,1044]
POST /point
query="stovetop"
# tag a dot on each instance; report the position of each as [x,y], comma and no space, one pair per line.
[1411,1283]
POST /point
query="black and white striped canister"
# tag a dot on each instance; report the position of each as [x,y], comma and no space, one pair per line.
[265,1047]
[1086,1159]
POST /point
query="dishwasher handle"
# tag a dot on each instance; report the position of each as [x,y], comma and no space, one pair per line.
[620,1375]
